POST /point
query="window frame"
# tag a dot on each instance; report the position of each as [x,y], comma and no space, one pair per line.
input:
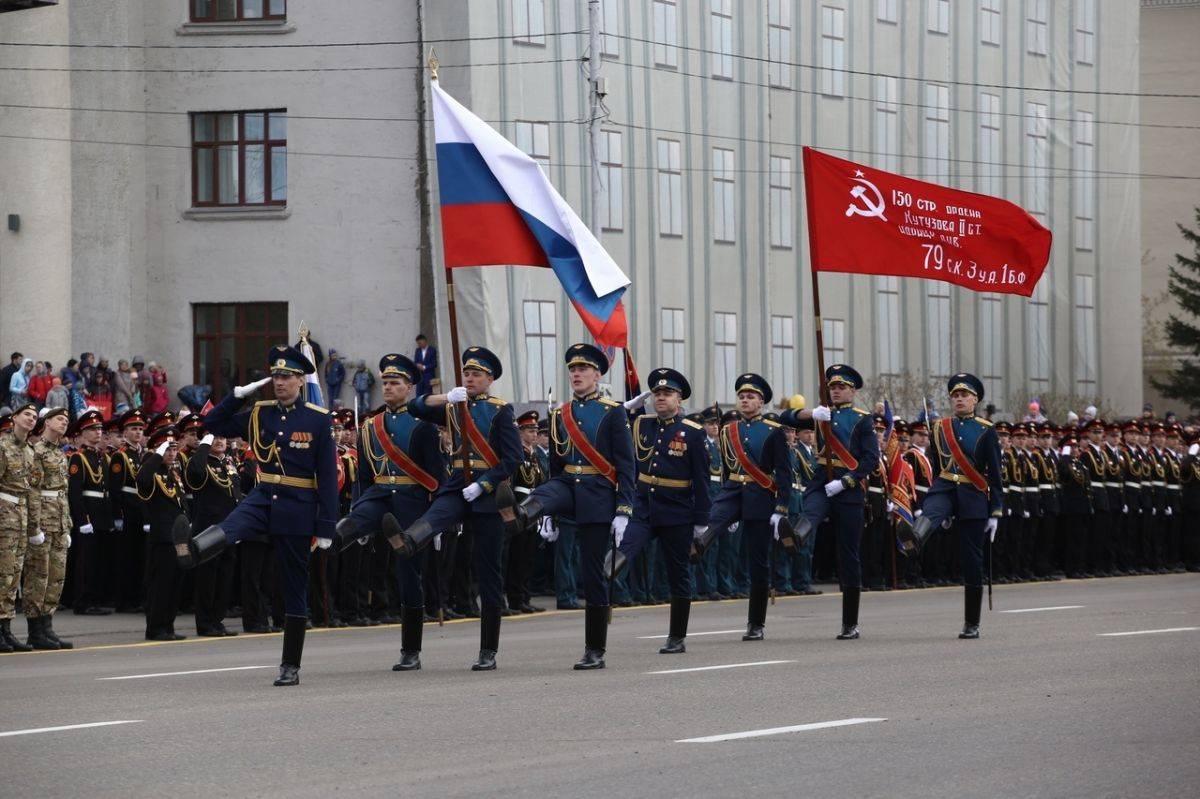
[725,354]
[935,11]
[724,188]
[547,361]
[213,19]
[1084,183]
[206,371]
[1037,27]
[1084,377]
[779,44]
[1085,32]
[670,187]
[833,51]
[779,202]
[887,11]
[783,352]
[938,352]
[666,41]
[991,346]
[1037,158]
[527,135]
[991,144]
[216,144]
[991,21]
[720,21]
[886,120]
[888,328]
[613,174]
[935,133]
[833,339]
[673,337]
[530,37]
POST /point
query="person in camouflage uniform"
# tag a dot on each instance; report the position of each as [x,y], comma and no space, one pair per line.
[18,481]
[46,563]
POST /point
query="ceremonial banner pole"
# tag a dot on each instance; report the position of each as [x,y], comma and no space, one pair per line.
[823,388]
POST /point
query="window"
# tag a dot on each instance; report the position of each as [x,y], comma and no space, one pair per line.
[938,12]
[833,334]
[991,347]
[666,33]
[724,355]
[673,335]
[779,43]
[1037,21]
[611,202]
[670,188]
[833,51]
[1085,336]
[541,351]
[888,334]
[1084,156]
[937,328]
[781,201]
[990,23]
[533,139]
[1037,159]
[230,10]
[1038,337]
[721,21]
[887,122]
[239,158]
[783,354]
[1085,31]
[936,133]
[724,217]
[229,341]
[990,178]
[887,10]
[529,21]
[610,27]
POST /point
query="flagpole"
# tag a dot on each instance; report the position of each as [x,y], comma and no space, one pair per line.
[823,386]
[456,350]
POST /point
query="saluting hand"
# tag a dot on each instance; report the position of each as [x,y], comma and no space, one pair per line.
[637,402]
[208,439]
[241,392]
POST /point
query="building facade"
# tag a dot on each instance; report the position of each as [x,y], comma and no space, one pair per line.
[707,103]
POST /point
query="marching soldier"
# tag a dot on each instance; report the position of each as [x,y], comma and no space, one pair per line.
[522,548]
[485,441]
[401,466]
[129,517]
[18,526]
[756,492]
[967,495]
[592,473]
[295,499]
[1172,451]
[212,478]
[849,452]
[672,501]
[91,513]
[162,491]
[46,563]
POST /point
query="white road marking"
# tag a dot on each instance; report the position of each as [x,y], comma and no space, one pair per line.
[69,727]
[692,635]
[1150,632]
[734,736]
[180,673]
[1038,610]
[727,666]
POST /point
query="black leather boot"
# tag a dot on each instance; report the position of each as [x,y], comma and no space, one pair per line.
[756,614]
[972,605]
[48,630]
[5,646]
[850,597]
[595,636]
[14,643]
[407,543]
[681,608]
[489,638]
[202,548]
[293,648]
[413,621]
[701,543]
[527,513]
[37,637]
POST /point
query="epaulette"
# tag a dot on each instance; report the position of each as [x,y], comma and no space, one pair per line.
[263,403]
[859,410]
[692,423]
[767,422]
[496,401]
[984,422]
[312,406]
[608,403]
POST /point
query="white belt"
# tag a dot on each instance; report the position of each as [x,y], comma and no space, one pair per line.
[188,496]
[1174,488]
[523,490]
[1045,486]
[129,489]
[875,489]
[10,498]
[1113,485]
[94,494]
[51,494]
[922,489]
[716,478]
[1160,483]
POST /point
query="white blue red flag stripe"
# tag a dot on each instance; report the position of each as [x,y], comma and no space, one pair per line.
[312,386]
[499,208]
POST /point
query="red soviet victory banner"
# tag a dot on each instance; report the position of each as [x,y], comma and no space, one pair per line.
[867,221]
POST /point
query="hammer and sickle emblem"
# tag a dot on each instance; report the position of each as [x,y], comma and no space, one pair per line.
[859,193]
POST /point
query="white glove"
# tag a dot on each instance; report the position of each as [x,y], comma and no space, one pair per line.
[1154,511]
[618,528]
[1124,509]
[733,527]
[891,506]
[38,539]
[1065,450]
[834,487]
[67,541]
[437,543]
[1024,514]
[324,543]
[208,439]
[162,448]
[456,395]
[1193,449]
[1008,511]
[638,401]
[992,524]
[85,529]
[698,530]
[119,524]
[547,530]
[145,528]
[241,392]
[472,492]
[1168,510]
[917,515]
[821,414]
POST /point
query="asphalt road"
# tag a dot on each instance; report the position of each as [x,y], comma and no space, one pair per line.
[1045,704]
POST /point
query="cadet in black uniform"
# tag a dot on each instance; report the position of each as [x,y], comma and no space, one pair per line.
[160,489]
[91,514]
[523,546]
[212,478]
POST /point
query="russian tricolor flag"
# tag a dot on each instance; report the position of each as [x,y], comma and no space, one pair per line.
[499,208]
